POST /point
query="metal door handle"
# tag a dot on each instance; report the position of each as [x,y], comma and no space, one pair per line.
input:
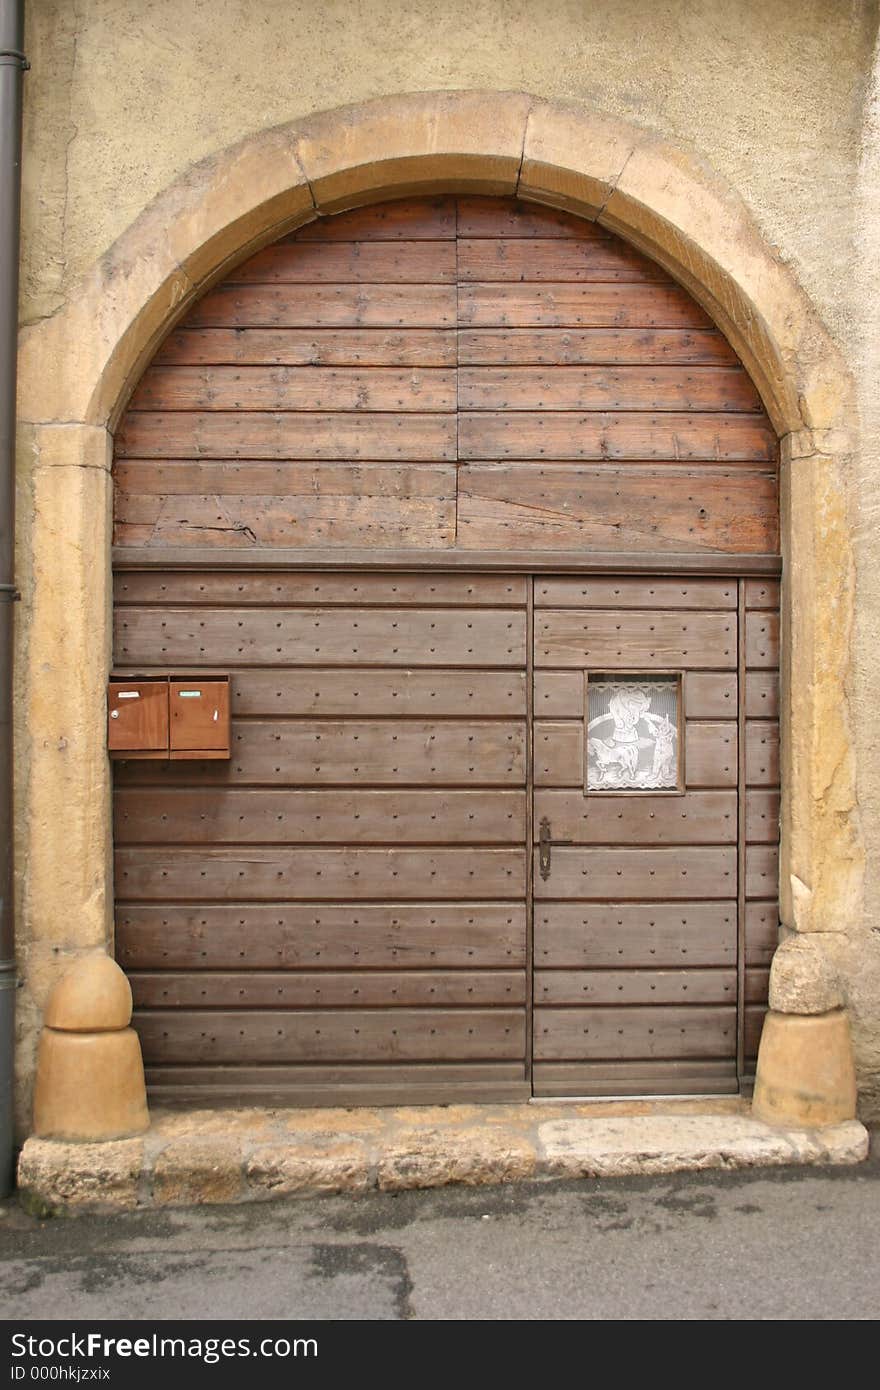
[545,844]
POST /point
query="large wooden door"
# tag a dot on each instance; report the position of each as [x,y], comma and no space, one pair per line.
[644,956]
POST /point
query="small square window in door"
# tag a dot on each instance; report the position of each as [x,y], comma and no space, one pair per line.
[633,733]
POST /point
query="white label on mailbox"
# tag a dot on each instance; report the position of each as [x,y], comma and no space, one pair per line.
[128,694]
[190,694]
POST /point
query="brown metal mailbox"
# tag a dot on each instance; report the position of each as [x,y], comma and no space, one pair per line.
[199,718]
[137,717]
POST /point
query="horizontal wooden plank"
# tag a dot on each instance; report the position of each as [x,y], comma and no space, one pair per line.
[696,818]
[762,640]
[757,985]
[573,347]
[516,506]
[334,1086]
[762,871]
[509,217]
[295,388]
[762,694]
[594,987]
[710,755]
[299,262]
[234,816]
[761,931]
[762,593]
[762,753]
[552,258]
[321,637]
[285,588]
[603,638]
[755,1015]
[281,873]
[629,935]
[328,306]
[644,1078]
[362,693]
[384,752]
[325,989]
[605,388]
[575,306]
[430,218]
[631,592]
[230,434]
[368,1035]
[634,874]
[707,695]
[294,936]
[666,1032]
[306,347]
[762,816]
[664,436]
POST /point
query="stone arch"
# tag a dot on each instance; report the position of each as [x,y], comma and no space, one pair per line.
[78,367]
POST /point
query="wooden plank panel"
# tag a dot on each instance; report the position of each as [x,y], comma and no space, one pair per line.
[604,639]
[696,818]
[508,217]
[363,692]
[755,1014]
[762,753]
[218,874]
[707,695]
[416,262]
[594,987]
[325,989]
[369,1035]
[710,755]
[762,816]
[762,871]
[336,1085]
[372,516]
[668,1032]
[559,507]
[643,1078]
[332,936]
[552,258]
[686,872]
[664,436]
[589,591]
[304,347]
[430,218]
[573,306]
[629,935]
[572,347]
[295,388]
[757,985]
[327,306]
[233,816]
[606,388]
[320,637]
[282,488]
[762,931]
[287,587]
[762,640]
[229,434]
[762,694]
[762,593]
[384,752]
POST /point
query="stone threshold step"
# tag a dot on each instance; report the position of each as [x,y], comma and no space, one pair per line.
[249,1155]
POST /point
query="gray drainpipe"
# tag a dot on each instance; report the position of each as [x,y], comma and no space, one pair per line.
[12,66]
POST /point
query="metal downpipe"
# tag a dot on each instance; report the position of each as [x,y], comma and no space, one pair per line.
[12,66]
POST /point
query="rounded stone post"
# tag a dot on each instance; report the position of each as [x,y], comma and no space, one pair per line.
[806,1074]
[90,1074]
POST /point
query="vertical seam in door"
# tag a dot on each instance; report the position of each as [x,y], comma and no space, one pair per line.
[740,829]
[457,371]
[530,797]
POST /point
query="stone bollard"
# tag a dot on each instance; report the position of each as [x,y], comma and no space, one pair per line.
[90,1074]
[806,1075]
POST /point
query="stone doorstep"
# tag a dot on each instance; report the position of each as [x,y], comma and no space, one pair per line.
[220,1156]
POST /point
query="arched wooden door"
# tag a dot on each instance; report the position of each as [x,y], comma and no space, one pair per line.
[425,479]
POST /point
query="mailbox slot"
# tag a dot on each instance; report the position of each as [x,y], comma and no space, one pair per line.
[199,717]
[137,716]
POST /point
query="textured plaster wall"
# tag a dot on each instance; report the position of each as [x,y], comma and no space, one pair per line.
[777,96]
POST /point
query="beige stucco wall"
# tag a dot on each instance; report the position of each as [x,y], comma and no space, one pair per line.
[770,96]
